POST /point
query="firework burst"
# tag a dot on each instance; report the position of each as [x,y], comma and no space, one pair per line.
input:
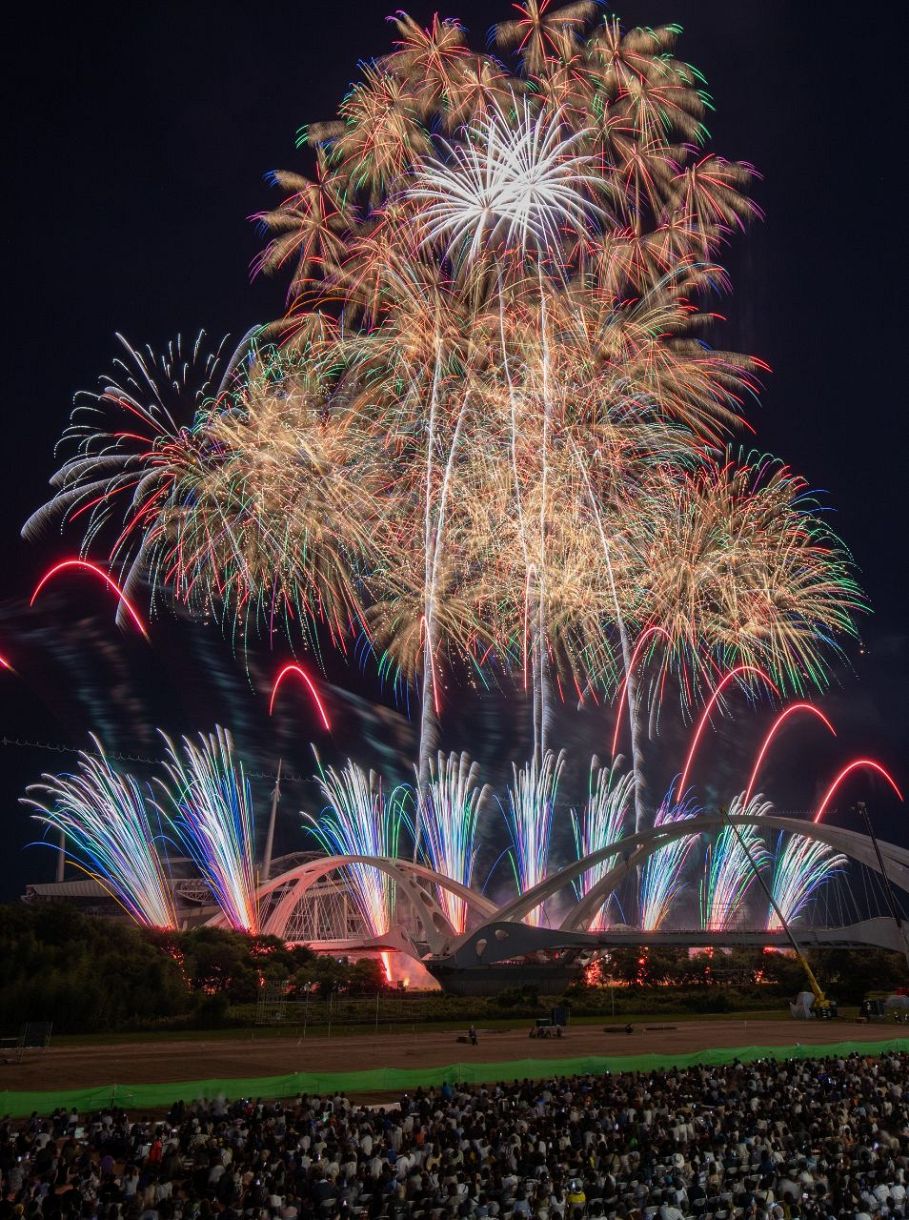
[276,517]
[490,439]
[738,561]
[208,801]
[601,823]
[514,184]
[530,805]
[359,820]
[398,461]
[130,438]
[104,817]
[452,802]
[801,868]
[729,873]
[662,877]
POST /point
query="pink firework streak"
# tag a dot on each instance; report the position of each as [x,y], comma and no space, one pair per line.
[705,715]
[84,565]
[623,691]
[310,685]
[777,724]
[865,763]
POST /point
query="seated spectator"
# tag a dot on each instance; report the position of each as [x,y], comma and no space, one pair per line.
[803,1140]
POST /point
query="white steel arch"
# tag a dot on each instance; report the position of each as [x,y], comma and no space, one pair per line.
[635,848]
[439,939]
[437,930]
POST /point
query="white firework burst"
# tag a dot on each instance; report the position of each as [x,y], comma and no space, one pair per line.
[451,807]
[130,437]
[208,801]
[104,816]
[528,814]
[601,824]
[514,182]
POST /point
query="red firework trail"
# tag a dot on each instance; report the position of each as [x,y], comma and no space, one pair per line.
[793,707]
[868,763]
[717,691]
[623,691]
[311,686]
[84,565]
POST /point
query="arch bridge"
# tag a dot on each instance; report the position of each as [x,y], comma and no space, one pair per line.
[499,934]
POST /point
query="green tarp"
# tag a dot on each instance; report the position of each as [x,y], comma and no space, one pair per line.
[399,1080]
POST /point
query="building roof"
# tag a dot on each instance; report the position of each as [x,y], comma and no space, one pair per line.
[83,887]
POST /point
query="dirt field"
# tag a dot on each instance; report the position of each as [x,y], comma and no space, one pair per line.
[165,1060]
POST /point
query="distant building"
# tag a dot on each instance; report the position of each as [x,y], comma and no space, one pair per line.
[327,912]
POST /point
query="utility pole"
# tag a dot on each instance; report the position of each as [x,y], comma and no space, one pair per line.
[270,837]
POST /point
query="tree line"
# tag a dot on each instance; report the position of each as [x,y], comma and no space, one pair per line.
[91,975]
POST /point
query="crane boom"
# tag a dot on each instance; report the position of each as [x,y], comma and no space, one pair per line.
[820,999]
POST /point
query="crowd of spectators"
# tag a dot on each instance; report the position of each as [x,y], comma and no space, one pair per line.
[812,1138]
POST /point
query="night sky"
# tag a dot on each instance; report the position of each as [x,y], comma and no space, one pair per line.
[138,137]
